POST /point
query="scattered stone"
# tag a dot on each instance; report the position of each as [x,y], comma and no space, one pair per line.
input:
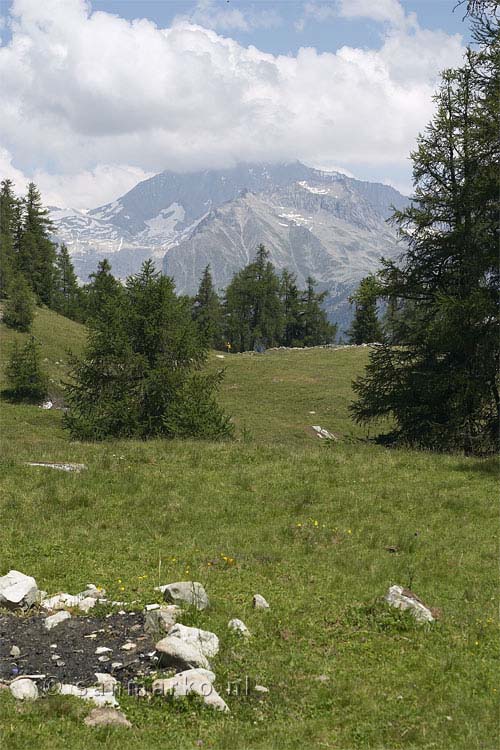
[103,650]
[158,620]
[220,356]
[402,598]
[95,694]
[174,652]
[17,591]
[188,592]
[106,681]
[103,659]
[24,689]
[15,652]
[259,602]
[59,466]
[86,604]
[260,689]
[129,646]
[116,665]
[188,682]
[60,601]
[46,405]
[322,433]
[106,717]
[53,620]
[204,640]
[238,626]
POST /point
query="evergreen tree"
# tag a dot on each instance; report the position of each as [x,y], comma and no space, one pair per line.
[254,315]
[8,203]
[36,255]
[102,290]
[316,328]
[19,307]
[365,327]
[68,295]
[442,387]
[24,373]
[140,373]
[293,313]
[207,312]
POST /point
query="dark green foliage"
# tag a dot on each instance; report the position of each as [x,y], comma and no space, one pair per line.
[19,309]
[138,372]
[365,327]
[316,328]
[25,377]
[207,312]
[102,290]
[254,315]
[293,313]
[68,297]
[36,255]
[8,204]
[195,412]
[442,385]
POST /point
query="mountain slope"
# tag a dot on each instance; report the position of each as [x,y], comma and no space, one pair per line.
[325,224]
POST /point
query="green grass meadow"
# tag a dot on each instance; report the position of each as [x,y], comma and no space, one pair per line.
[281,513]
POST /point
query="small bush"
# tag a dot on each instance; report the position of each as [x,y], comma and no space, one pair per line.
[27,381]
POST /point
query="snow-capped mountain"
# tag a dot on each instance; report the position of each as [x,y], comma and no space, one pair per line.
[315,223]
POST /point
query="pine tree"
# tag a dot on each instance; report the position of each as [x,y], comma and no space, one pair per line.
[140,376]
[8,203]
[36,254]
[19,307]
[254,314]
[316,328]
[102,290]
[442,386]
[293,329]
[365,327]
[25,376]
[68,295]
[207,312]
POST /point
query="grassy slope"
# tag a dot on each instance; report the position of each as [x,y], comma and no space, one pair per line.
[307,526]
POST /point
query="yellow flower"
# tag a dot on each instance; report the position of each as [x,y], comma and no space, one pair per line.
[122,588]
[349,531]
[119,580]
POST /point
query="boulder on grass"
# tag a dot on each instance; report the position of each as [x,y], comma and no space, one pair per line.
[24,689]
[106,717]
[204,640]
[189,682]
[402,598]
[17,590]
[185,592]
[174,652]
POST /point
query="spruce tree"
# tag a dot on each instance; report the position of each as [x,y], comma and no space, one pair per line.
[8,203]
[140,374]
[25,376]
[207,312]
[316,328]
[442,386]
[36,254]
[293,313]
[68,295]
[19,307]
[103,289]
[365,327]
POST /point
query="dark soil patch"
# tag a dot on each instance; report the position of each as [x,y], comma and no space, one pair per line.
[74,649]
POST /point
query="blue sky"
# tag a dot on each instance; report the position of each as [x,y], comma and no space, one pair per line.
[98,95]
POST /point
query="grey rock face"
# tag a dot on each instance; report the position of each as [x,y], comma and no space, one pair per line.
[314,223]
[54,620]
[187,592]
[17,590]
[204,640]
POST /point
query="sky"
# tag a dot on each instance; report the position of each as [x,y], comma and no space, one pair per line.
[96,96]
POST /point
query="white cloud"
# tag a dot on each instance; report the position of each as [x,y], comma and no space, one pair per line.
[90,100]
[213,15]
[319,12]
[378,10]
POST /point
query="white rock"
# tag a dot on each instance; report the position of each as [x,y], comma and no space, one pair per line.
[129,646]
[46,405]
[88,603]
[103,650]
[259,602]
[402,598]
[58,466]
[158,620]
[54,620]
[175,652]
[239,627]
[61,601]
[189,592]
[106,681]
[24,689]
[204,640]
[260,689]
[95,694]
[322,433]
[188,682]
[17,591]
[15,652]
